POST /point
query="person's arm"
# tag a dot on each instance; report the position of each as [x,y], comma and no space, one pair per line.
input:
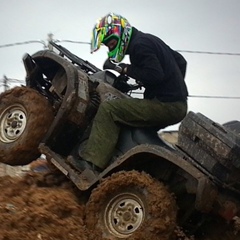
[147,69]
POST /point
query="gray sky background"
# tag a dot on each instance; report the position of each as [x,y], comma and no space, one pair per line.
[195,25]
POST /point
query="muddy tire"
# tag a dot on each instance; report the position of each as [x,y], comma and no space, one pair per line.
[131,205]
[25,117]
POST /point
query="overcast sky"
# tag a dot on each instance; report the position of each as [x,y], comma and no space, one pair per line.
[194,25]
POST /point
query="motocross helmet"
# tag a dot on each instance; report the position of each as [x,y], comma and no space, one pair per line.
[112,26]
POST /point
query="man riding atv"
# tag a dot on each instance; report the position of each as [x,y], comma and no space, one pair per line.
[70,108]
[156,66]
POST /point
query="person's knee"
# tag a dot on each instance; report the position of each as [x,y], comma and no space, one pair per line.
[106,107]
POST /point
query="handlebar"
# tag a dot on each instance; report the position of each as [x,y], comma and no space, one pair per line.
[85,65]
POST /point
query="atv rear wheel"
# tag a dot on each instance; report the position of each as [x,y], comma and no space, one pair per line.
[131,205]
[25,116]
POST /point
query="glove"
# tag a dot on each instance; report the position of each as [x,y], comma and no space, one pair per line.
[121,84]
[122,68]
[108,64]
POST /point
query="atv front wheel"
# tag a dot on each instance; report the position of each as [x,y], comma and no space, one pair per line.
[25,116]
[131,205]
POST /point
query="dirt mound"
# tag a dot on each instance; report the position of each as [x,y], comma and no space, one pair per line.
[40,207]
[47,206]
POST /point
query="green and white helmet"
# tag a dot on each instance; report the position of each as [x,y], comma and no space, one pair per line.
[112,26]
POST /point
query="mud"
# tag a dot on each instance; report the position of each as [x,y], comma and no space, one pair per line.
[20,106]
[43,206]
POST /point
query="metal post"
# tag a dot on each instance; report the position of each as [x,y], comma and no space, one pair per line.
[5,83]
[50,39]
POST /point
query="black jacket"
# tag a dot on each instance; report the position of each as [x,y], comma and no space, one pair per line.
[160,69]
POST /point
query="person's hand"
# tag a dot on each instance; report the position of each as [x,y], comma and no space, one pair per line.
[121,84]
[120,68]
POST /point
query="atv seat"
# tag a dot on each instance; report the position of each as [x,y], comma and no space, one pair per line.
[131,137]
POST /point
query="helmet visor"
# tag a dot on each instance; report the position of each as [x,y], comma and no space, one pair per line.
[97,38]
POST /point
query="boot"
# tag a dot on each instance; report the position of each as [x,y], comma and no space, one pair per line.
[80,164]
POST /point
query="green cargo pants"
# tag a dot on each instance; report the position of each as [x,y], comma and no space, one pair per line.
[132,112]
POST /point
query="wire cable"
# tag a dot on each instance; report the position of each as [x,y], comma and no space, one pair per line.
[88,43]
[213,53]
[23,43]
[201,96]
[223,97]
[70,41]
[11,80]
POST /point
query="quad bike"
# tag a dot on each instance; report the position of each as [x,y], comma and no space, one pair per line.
[149,185]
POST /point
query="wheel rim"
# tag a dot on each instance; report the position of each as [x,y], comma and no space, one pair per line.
[124,214]
[13,121]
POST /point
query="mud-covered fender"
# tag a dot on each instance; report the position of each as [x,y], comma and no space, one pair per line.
[206,191]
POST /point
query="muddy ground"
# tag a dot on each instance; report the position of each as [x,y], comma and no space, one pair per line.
[48,207]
